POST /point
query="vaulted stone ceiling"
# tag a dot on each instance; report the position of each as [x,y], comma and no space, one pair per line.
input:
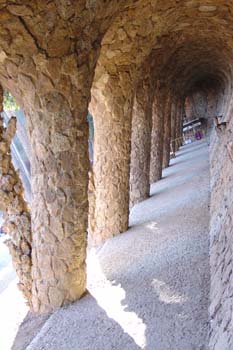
[185,40]
[182,37]
[50,53]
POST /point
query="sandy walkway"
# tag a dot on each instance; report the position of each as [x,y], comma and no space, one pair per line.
[12,305]
[149,286]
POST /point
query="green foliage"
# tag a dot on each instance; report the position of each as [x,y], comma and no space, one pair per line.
[9,102]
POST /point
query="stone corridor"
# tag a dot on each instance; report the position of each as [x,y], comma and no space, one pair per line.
[146,71]
[156,295]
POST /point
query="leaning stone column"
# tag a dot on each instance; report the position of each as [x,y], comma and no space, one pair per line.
[17,218]
[51,77]
[167,132]
[141,142]
[157,134]
[111,107]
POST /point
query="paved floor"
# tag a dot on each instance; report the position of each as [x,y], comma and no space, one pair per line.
[149,287]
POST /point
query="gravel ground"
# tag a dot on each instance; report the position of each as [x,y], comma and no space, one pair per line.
[149,287]
[12,304]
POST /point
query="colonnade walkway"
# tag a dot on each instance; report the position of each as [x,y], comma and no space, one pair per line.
[149,287]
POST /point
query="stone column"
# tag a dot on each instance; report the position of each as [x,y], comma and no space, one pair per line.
[1,99]
[59,204]
[141,142]
[167,132]
[178,130]
[60,207]
[111,107]
[181,123]
[51,77]
[174,109]
[157,135]
[17,218]
[58,130]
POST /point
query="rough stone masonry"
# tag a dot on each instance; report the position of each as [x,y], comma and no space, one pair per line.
[60,59]
[17,218]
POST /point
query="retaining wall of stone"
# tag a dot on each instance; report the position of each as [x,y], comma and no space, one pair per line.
[221,238]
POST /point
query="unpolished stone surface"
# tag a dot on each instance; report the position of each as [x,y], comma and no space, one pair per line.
[221,236]
[141,141]
[51,54]
[111,107]
[174,115]
[205,101]
[178,125]
[167,132]
[149,287]
[17,217]
[48,54]
[157,133]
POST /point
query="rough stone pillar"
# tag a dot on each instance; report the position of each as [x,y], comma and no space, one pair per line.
[58,131]
[157,134]
[181,123]
[17,218]
[141,142]
[59,205]
[51,77]
[174,109]
[111,108]
[177,126]
[167,132]
[54,92]
[1,99]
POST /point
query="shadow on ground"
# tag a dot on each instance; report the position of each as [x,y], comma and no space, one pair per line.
[28,329]
[148,287]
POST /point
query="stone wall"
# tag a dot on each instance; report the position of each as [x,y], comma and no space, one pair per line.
[221,238]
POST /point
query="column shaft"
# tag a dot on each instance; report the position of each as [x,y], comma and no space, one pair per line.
[167,132]
[157,136]
[58,131]
[141,142]
[173,126]
[17,218]
[112,112]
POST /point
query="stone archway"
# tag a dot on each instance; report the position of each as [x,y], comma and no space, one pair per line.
[53,58]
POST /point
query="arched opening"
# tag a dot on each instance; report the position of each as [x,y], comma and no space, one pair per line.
[190,64]
[140,68]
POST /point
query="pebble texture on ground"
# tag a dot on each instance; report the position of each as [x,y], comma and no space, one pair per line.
[149,287]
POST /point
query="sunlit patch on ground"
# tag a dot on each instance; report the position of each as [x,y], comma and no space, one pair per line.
[166,294]
[111,299]
[12,305]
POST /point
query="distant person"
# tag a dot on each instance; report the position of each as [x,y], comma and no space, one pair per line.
[198,135]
